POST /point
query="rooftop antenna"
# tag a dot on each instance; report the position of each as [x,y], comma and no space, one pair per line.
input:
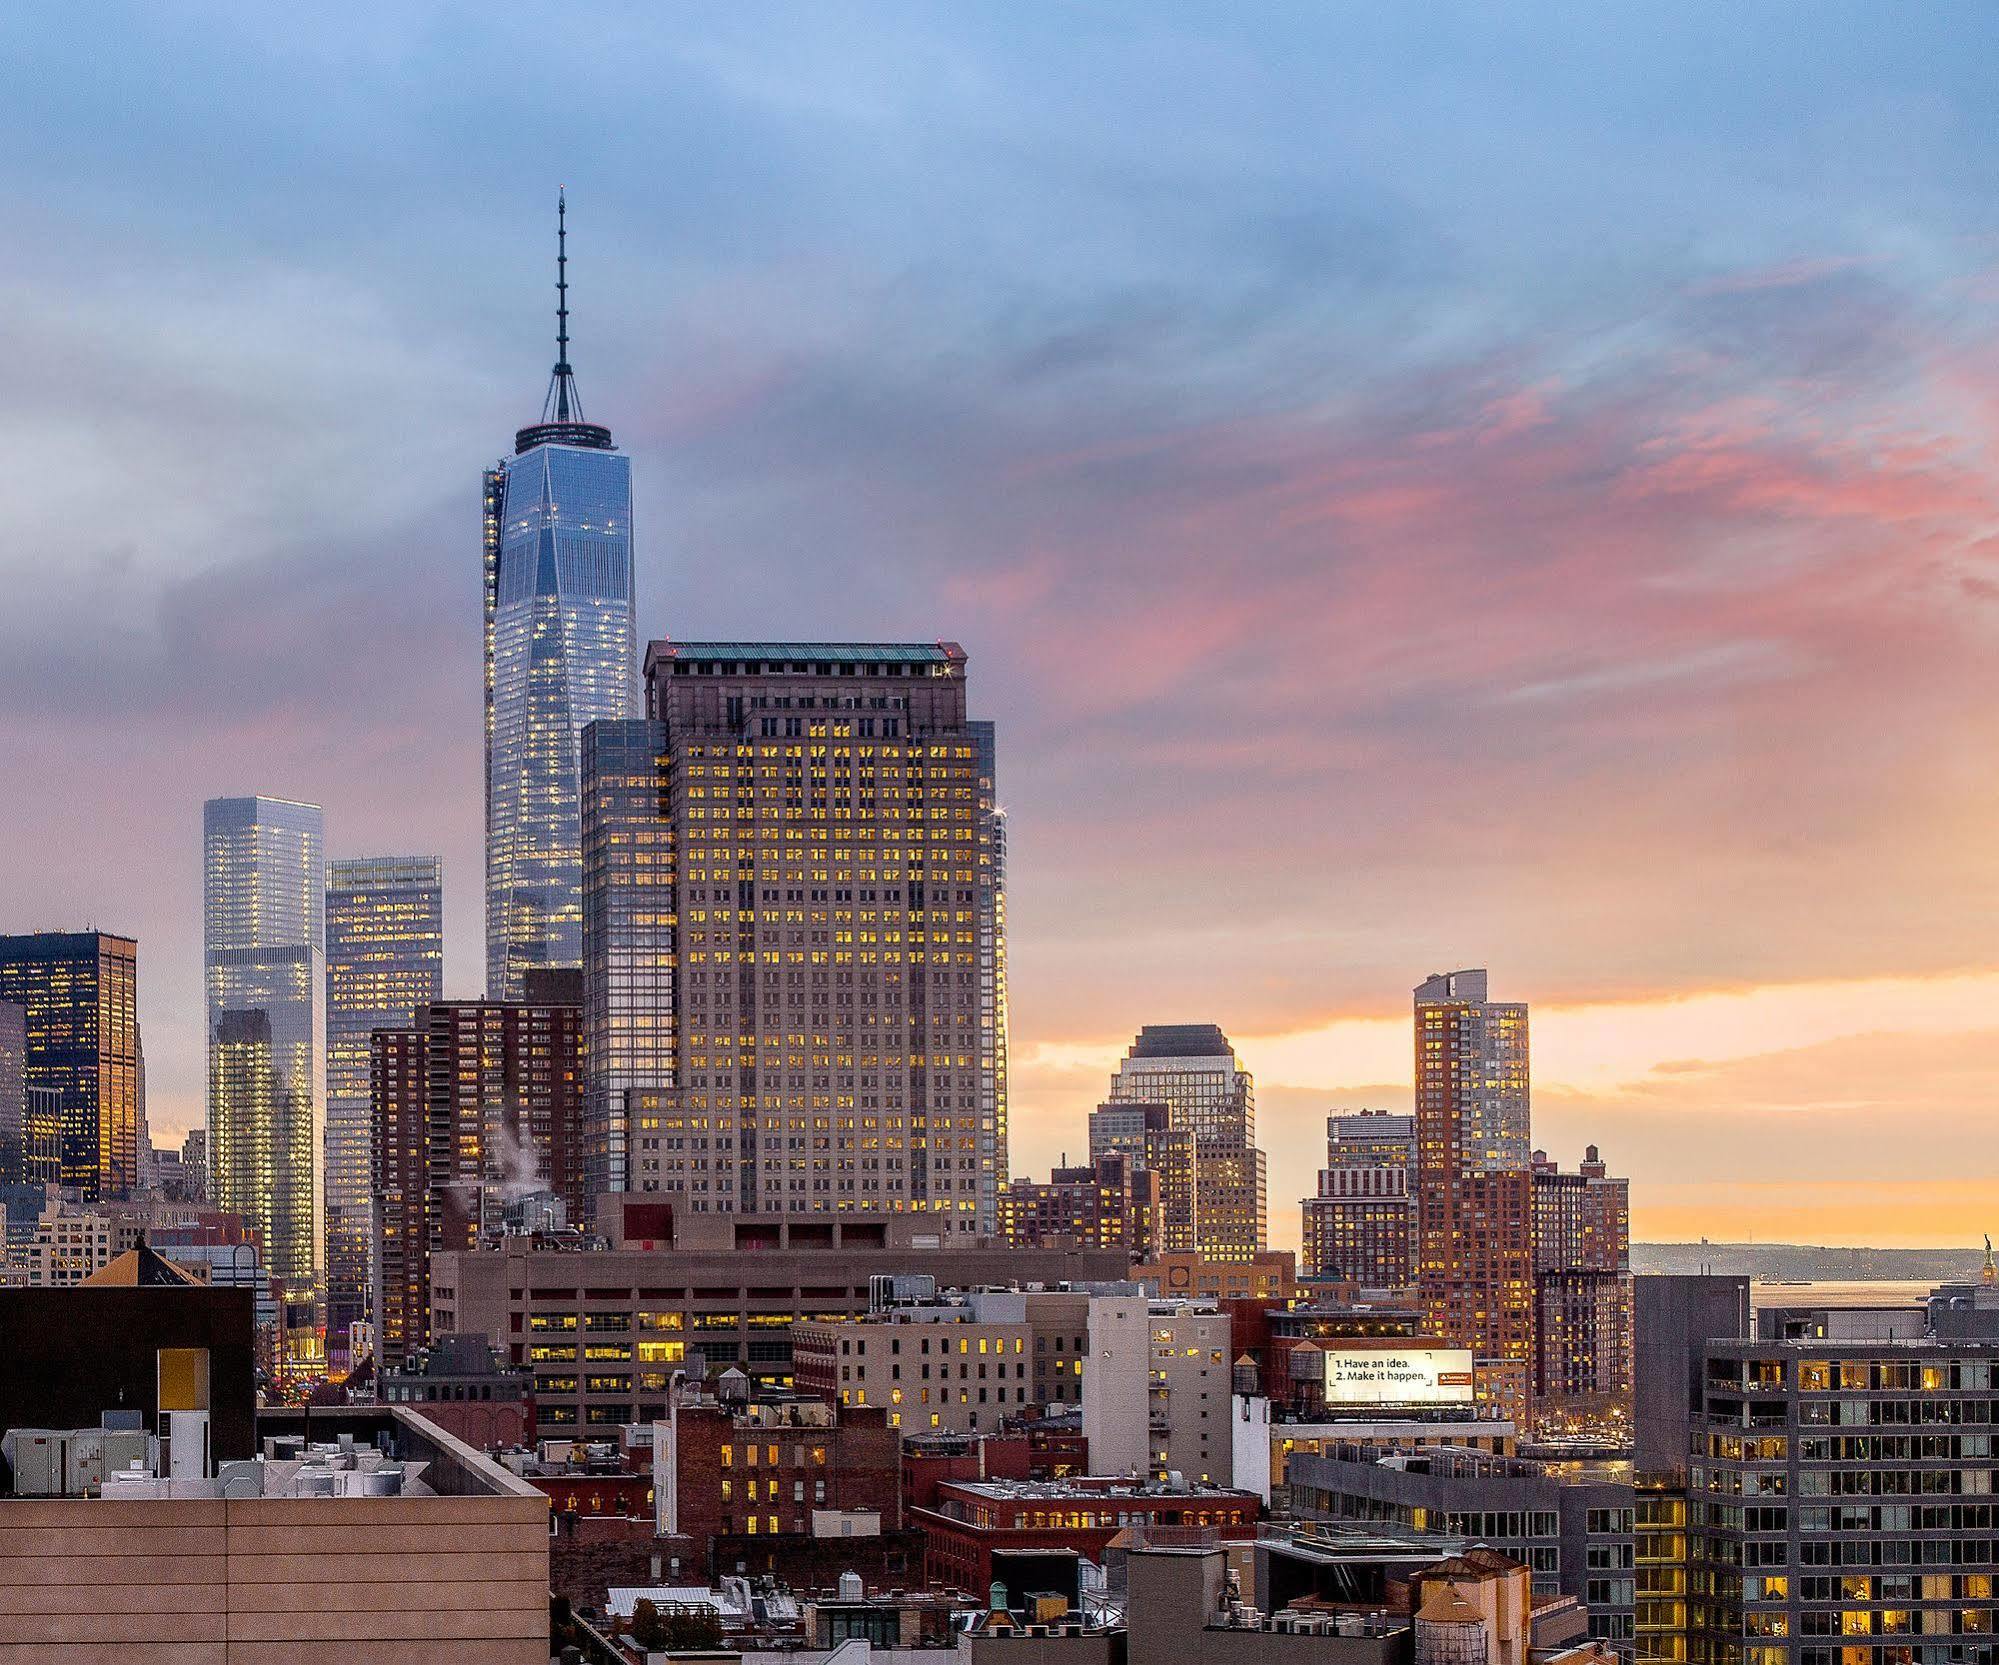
[563,403]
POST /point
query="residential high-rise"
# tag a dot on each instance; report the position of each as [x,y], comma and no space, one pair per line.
[561,650]
[1145,1134]
[263,904]
[80,991]
[384,963]
[1361,1227]
[1582,1282]
[1193,1071]
[833,1048]
[1474,1213]
[475,1110]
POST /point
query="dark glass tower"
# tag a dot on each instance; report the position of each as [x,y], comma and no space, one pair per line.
[80,993]
[561,653]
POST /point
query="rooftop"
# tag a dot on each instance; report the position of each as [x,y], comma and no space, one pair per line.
[781,655]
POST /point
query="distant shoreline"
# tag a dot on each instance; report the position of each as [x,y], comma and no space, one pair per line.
[1804,1262]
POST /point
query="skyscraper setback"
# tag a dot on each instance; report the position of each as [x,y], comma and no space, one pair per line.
[1474,1213]
[1192,1069]
[820,816]
[263,899]
[384,962]
[561,649]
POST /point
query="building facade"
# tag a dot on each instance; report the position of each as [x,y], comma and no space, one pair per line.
[1111,1204]
[384,963]
[263,934]
[1582,1282]
[80,993]
[820,805]
[1194,1072]
[630,935]
[1156,1389]
[474,1113]
[1361,1226]
[13,1092]
[561,647]
[1474,1216]
[603,1330]
[1145,1136]
[1840,1504]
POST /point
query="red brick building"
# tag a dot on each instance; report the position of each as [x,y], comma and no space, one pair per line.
[1110,1204]
[475,1107]
[762,1469]
[968,1521]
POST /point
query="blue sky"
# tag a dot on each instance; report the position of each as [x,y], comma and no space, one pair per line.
[1420,485]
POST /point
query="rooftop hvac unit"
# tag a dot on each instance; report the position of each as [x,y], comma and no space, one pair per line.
[36,1456]
[83,1465]
[240,1477]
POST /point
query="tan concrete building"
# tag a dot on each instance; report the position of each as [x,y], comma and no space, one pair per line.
[1156,1389]
[455,1577]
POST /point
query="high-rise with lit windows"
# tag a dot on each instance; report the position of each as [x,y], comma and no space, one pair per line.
[833,948]
[1361,1226]
[561,650]
[79,993]
[263,934]
[1474,1207]
[1192,1069]
[384,963]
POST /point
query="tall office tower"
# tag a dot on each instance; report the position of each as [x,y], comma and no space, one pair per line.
[993,1169]
[1582,1281]
[81,993]
[263,901]
[1361,1227]
[1145,1133]
[1474,1216]
[1193,1071]
[561,653]
[384,963]
[475,1111]
[13,1092]
[629,928]
[830,864]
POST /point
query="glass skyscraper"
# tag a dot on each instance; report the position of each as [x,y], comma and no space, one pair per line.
[561,653]
[80,993]
[384,964]
[263,892]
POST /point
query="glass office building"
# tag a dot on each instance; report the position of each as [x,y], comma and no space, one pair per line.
[384,964]
[79,991]
[561,653]
[263,893]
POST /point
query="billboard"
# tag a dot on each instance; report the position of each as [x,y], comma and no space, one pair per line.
[1398,1375]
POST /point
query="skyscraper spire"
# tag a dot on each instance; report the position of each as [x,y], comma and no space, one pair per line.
[562,421]
[562,403]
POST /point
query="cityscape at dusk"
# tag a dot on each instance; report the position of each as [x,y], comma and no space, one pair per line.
[1066,834]
[1421,497]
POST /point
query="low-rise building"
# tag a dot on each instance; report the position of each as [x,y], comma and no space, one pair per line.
[603,1329]
[1156,1391]
[1268,1275]
[1569,1523]
[972,1520]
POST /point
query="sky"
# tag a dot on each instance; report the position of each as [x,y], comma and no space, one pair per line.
[1420,486]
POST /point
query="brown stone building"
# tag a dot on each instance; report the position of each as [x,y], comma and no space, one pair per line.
[837,958]
[475,1110]
[1110,1204]
[1582,1282]
[603,1331]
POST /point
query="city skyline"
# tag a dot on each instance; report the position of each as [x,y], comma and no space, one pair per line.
[1659,549]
